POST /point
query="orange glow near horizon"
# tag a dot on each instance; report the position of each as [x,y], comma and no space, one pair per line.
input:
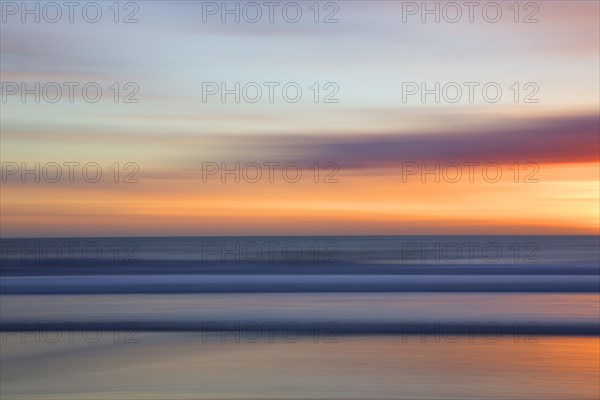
[563,201]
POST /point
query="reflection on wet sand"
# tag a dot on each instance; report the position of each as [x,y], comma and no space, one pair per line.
[184,366]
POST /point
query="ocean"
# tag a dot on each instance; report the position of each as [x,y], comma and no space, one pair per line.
[386,317]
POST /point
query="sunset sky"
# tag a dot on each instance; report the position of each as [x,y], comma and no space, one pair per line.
[371,134]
